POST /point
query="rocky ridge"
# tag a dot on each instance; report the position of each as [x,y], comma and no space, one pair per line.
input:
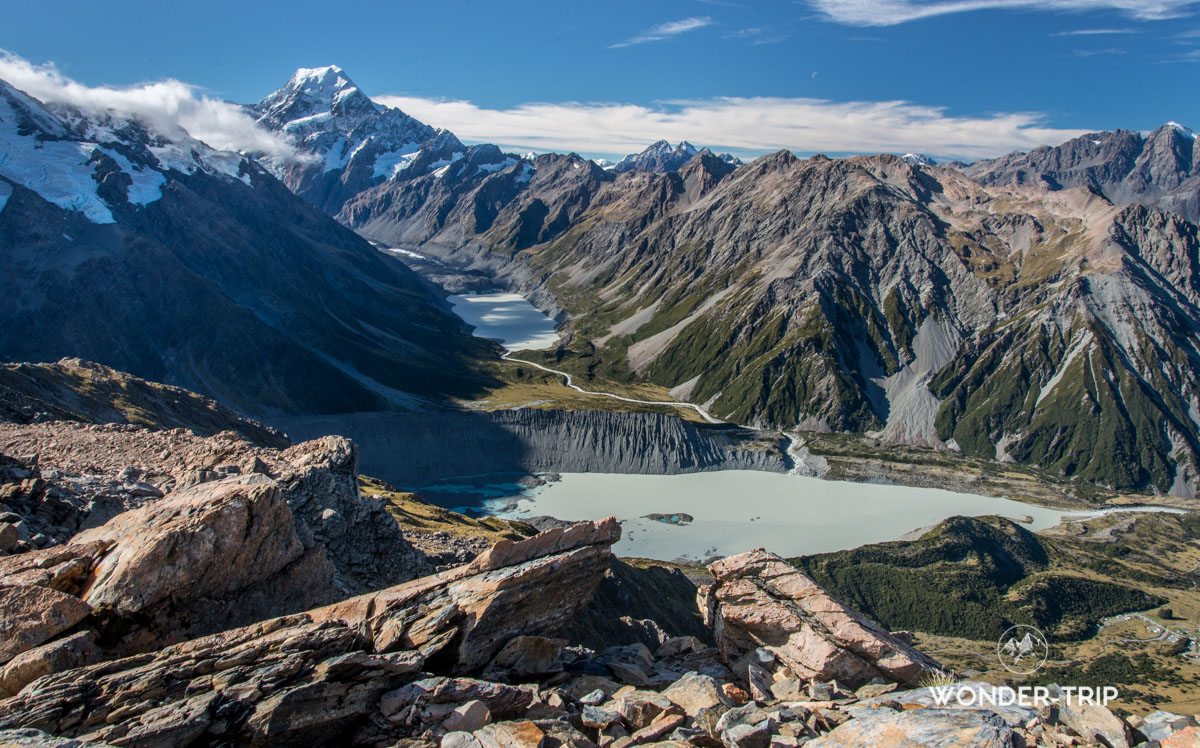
[464,658]
[1161,169]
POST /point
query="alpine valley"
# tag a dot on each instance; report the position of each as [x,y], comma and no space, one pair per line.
[261,483]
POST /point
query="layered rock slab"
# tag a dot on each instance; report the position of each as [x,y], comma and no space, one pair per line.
[305,677]
[759,601]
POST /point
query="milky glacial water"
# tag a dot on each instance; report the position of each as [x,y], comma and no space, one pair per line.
[738,510]
[507,318]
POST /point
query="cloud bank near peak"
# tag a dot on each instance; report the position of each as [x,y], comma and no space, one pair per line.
[167,107]
[749,126]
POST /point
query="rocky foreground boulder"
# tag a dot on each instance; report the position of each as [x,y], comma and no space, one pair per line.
[469,658]
[773,619]
[307,677]
[62,477]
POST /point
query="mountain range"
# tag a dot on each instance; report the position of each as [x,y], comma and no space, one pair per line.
[1041,308]
[1161,169]
[662,157]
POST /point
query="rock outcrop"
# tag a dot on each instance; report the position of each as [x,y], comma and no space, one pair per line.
[886,728]
[453,661]
[309,677]
[761,606]
[73,476]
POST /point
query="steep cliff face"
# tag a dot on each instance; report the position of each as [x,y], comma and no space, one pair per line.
[414,448]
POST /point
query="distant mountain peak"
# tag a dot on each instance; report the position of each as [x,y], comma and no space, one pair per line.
[918,159]
[661,156]
[312,92]
[357,142]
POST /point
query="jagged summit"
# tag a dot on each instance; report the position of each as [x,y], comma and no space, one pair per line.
[918,159]
[315,92]
[356,143]
[1161,168]
[662,157]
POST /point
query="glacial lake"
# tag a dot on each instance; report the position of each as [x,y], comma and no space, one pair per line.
[738,510]
[730,511]
[507,318]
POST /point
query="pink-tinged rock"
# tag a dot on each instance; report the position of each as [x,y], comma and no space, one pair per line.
[522,734]
[207,540]
[1095,723]
[531,655]
[758,600]
[30,616]
[1188,737]
[69,652]
[944,728]
[312,676]
[696,691]
[468,717]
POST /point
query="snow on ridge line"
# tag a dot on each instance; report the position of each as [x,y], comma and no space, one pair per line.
[1183,129]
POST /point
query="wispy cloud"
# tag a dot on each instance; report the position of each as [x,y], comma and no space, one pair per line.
[665,30]
[756,35]
[167,107]
[1095,32]
[892,12]
[748,125]
[1097,52]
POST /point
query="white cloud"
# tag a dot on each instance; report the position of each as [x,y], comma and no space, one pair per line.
[891,12]
[165,106]
[664,30]
[1095,32]
[747,125]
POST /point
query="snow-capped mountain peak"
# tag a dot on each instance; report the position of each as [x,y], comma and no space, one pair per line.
[663,157]
[356,142]
[918,159]
[1182,129]
[314,99]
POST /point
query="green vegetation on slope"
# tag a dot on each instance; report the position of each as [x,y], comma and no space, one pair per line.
[975,577]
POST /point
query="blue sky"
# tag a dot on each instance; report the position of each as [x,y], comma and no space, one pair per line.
[975,76]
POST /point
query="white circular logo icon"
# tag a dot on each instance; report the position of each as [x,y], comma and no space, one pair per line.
[1022,650]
